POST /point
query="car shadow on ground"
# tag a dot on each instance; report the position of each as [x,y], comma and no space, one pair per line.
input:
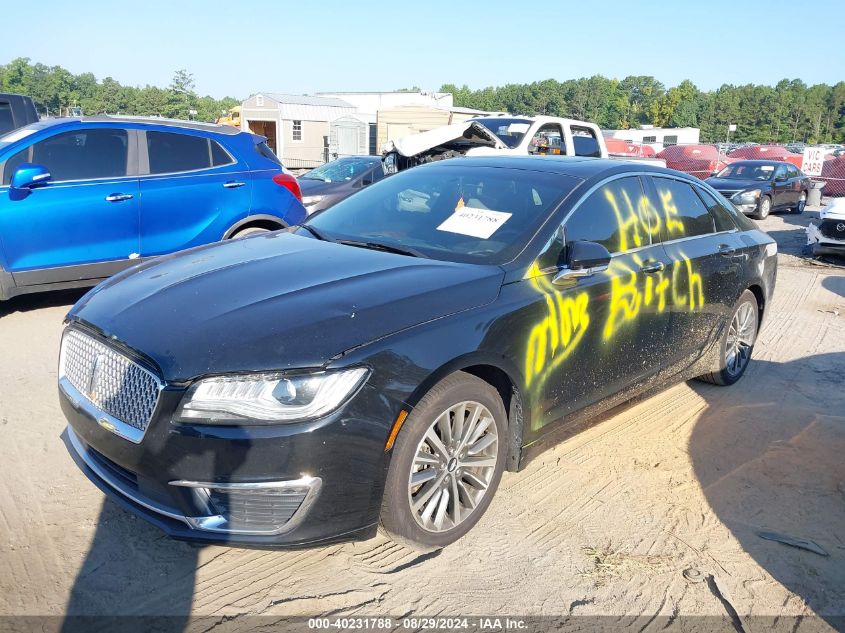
[41,300]
[112,590]
[835,285]
[768,457]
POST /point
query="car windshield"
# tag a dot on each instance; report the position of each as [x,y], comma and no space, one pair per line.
[341,170]
[458,213]
[511,131]
[745,171]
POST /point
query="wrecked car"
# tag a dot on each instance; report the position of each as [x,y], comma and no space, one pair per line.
[501,135]
[828,237]
[444,325]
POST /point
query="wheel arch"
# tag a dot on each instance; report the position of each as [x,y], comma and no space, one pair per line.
[757,290]
[262,221]
[499,373]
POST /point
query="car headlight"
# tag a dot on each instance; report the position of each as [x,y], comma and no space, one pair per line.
[746,197]
[268,398]
[310,201]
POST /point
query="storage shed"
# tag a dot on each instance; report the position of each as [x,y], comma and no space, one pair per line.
[297,127]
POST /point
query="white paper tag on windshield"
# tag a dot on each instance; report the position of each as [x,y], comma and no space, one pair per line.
[474,222]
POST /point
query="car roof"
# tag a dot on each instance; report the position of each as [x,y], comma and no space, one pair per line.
[577,166]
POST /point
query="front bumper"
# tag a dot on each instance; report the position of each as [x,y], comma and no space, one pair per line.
[281,485]
[820,244]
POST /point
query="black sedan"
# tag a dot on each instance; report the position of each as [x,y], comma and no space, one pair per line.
[757,187]
[330,183]
[386,361]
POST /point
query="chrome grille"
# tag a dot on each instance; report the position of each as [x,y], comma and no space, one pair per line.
[729,193]
[108,379]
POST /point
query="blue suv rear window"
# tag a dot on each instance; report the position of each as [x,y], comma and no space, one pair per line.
[170,152]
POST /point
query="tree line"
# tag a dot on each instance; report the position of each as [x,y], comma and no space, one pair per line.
[788,112]
[58,92]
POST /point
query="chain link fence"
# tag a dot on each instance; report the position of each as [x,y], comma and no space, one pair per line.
[702,160]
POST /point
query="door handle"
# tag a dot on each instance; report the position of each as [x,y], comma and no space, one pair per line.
[233,185]
[118,197]
[652,267]
[726,250]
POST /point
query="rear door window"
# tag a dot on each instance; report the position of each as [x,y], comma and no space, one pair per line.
[584,142]
[722,216]
[683,212]
[171,152]
[77,155]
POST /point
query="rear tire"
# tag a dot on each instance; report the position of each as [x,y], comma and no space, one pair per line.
[736,343]
[250,230]
[433,495]
[802,203]
[764,207]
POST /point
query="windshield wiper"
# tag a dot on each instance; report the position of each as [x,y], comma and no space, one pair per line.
[316,233]
[387,248]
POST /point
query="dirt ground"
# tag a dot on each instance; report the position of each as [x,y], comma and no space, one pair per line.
[656,510]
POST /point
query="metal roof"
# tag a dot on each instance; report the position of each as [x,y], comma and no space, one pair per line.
[307,100]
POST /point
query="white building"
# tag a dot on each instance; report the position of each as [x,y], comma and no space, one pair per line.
[657,137]
[297,127]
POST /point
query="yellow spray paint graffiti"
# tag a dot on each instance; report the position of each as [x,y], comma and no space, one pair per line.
[554,337]
[567,317]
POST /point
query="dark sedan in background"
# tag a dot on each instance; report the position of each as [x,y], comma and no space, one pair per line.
[330,183]
[443,325]
[758,187]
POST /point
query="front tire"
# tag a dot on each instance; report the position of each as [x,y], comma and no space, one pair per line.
[447,463]
[737,342]
[764,207]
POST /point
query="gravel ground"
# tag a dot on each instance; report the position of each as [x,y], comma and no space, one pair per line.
[620,520]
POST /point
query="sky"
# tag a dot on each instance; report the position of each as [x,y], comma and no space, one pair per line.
[238,48]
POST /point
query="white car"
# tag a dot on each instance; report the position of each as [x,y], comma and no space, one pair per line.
[828,237]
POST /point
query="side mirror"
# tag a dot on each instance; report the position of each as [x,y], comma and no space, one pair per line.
[584,259]
[30,176]
[367,180]
[781,178]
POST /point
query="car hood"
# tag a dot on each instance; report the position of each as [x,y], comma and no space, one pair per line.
[275,301]
[469,132]
[738,185]
[834,211]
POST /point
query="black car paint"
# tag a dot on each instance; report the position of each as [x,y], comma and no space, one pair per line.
[784,194]
[221,309]
[334,192]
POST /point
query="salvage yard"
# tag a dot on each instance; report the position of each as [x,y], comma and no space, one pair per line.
[657,509]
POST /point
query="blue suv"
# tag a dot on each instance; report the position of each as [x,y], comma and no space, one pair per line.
[81,199]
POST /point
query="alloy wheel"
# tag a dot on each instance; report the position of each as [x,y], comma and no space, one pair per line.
[765,207]
[741,335]
[453,466]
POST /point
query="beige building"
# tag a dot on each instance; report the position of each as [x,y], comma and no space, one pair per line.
[297,127]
